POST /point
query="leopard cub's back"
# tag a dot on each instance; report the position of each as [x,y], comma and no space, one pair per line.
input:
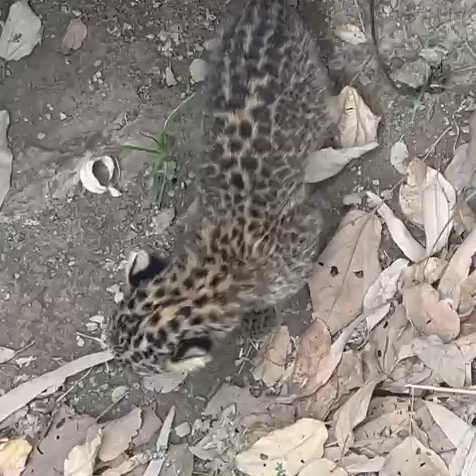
[266,90]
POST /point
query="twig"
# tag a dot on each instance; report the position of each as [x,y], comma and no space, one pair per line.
[63,395]
[455,391]
[112,405]
[19,351]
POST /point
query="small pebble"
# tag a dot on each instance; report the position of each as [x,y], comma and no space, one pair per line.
[41,135]
[351,199]
[118,392]
[182,430]
[169,77]
[197,70]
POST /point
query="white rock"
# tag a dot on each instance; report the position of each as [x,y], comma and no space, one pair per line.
[182,430]
[198,69]
[118,392]
[169,77]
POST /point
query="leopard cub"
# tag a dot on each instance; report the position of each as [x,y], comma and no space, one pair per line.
[256,241]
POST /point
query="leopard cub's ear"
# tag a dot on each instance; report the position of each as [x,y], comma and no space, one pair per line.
[143,267]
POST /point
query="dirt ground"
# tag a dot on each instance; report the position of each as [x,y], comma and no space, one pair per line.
[61,247]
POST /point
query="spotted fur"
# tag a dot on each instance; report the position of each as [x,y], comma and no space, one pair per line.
[257,238]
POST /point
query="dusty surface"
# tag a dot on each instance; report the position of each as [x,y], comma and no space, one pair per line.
[61,247]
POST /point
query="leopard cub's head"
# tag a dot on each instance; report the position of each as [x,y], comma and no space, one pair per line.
[170,316]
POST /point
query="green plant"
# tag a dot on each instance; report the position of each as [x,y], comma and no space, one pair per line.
[163,167]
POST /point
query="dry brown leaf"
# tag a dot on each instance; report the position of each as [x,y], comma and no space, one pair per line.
[464,218]
[74,36]
[81,459]
[128,465]
[322,467]
[464,461]
[457,270]
[451,425]
[467,301]
[460,171]
[399,156]
[319,404]
[410,194]
[446,360]
[118,435]
[179,461]
[350,372]
[13,456]
[358,124]
[325,163]
[380,435]
[398,231]
[352,413]
[467,345]
[6,354]
[360,464]
[67,431]
[438,202]
[429,271]
[313,345]
[151,424]
[411,458]
[430,315]
[26,392]
[348,266]
[272,362]
[289,450]
[388,338]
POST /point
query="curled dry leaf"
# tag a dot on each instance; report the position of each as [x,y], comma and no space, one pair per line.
[97,174]
[412,458]
[446,360]
[349,33]
[457,270]
[313,345]
[460,171]
[6,157]
[352,413]
[411,192]
[347,267]
[430,315]
[358,124]
[322,467]
[81,459]
[398,231]
[272,362]
[382,290]
[326,163]
[398,156]
[13,456]
[287,450]
[74,36]
[118,434]
[21,32]
[128,465]
[427,199]
[439,199]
